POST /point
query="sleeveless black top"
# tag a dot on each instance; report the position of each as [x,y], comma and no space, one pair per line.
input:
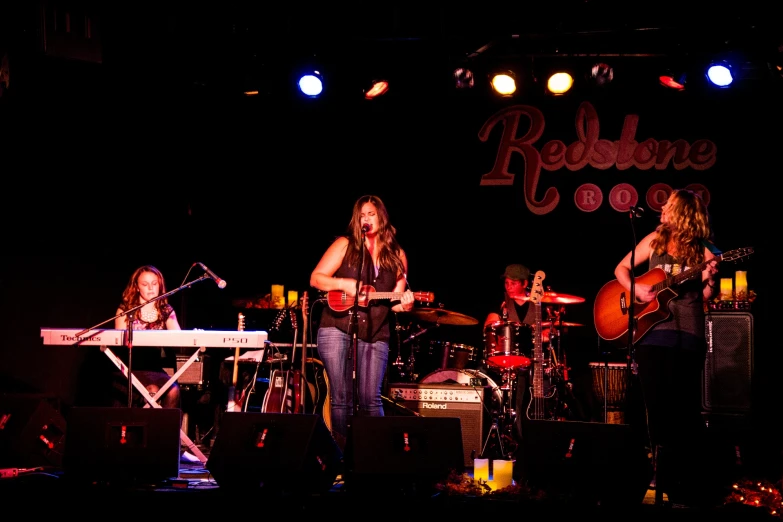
[374,318]
[685,327]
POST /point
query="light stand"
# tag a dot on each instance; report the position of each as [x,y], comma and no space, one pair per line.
[131,313]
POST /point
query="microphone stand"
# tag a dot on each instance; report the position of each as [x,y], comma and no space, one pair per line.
[131,313]
[353,325]
[632,321]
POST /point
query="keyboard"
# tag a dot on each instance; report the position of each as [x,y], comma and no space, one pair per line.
[180,338]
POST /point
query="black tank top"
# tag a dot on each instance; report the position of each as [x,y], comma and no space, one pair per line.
[685,327]
[374,318]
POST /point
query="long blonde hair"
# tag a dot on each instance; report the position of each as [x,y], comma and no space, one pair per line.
[687,229]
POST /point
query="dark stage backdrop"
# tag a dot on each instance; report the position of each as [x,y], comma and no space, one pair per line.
[257,189]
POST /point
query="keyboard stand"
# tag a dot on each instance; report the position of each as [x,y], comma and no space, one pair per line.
[151,402]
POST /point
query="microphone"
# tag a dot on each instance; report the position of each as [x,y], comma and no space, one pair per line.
[221,284]
[366,228]
[636,211]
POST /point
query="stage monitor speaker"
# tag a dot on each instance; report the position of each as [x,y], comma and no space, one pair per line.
[470,404]
[32,431]
[122,445]
[728,368]
[389,455]
[590,462]
[274,452]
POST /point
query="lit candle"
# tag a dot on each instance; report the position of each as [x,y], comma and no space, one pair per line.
[293,297]
[741,285]
[725,289]
[502,471]
[278,300]
[481,469]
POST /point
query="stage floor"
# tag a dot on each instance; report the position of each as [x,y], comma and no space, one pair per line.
[194,491]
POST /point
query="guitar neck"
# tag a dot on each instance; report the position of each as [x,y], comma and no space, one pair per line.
[538,355]
[384,295]
[684,276]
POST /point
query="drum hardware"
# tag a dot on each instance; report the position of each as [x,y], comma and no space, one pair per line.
[503,420]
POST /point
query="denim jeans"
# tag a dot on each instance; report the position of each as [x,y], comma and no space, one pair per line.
[335,350]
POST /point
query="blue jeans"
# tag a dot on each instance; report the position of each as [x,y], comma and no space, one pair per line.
[335,350]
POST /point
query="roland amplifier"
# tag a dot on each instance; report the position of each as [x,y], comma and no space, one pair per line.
[472,405]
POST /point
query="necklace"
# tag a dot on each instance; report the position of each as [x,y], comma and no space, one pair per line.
[149,316]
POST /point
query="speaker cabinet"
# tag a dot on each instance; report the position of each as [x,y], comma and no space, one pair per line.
[274,452]
[122,445]
[469,404]
[589,462]
[390,455]
[32,432]
[728,368]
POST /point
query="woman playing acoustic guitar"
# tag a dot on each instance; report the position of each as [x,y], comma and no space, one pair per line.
[670,355]
[370,242]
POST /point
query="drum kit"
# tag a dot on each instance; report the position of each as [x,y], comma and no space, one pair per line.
[507,355]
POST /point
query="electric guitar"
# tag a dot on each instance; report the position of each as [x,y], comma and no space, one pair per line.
[611,308]
[539,406]
[235,397]
[340,301]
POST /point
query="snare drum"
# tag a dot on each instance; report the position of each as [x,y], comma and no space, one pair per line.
[450,355]
[508,344]
[443,355]
[615,384]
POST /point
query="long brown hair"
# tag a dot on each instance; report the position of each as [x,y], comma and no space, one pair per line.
[688,227]
[131,294]
[388,248]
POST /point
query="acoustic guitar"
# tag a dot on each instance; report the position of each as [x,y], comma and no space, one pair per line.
[612,306]
[340,301]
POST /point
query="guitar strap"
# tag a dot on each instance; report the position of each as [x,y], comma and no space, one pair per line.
[711,247]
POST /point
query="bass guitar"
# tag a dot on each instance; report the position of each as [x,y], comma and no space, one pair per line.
[340,301]
[612,306]
[539,407]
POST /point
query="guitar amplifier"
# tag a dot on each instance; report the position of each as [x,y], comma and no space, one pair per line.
[471,404]
[196,373]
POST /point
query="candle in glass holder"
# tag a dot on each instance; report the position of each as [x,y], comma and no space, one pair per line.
[293,297]
[502,471]
[481,469]
[278,299]
[741,285]
[726,290]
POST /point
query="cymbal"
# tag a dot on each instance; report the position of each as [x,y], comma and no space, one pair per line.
[552,298]
[558,323]
[440,316]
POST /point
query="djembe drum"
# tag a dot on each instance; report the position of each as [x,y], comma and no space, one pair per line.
[612,377]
